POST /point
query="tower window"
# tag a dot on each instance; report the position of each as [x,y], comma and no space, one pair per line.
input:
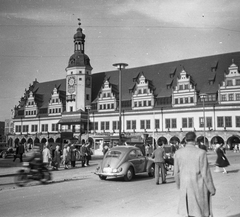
[80,79]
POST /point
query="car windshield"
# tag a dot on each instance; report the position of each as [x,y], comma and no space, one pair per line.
[113,154]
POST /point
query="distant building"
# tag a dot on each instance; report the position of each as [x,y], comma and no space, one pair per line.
[160,102]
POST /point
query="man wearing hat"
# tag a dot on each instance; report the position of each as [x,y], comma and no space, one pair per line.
[194,180]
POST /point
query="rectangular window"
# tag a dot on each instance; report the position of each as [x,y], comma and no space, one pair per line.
[174,123]
[135,104]
[230,97]
[181,100]
[237,81]
[184,123]
[100,107]
[229,83]
[114,126]
[102,125]
[148,124]
[220,122]
[128,125]
[186,100]
[71,108]
[223,97]
[209,122]
[186,86]
[142,124]
[44,127]
[140,104]
[237,121]
[167,123]
[144,103]
[238,97]
[176,101]
[34,128]
[157,123]
[191,99]
[25,128]
[180,87]
[18,129]
[95,125]
[228,121]
[190,122]
[134,124]
[149,103]
[54,127]
[107,125]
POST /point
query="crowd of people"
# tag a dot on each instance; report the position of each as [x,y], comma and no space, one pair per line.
[54,157]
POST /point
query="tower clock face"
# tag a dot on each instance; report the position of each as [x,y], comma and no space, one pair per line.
[71,81]
[71,85]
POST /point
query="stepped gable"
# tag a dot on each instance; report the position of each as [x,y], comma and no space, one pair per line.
[45,90]
[200,70]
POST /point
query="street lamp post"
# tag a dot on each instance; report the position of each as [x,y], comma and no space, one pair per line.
[203,97]
[88,107]
[120,66]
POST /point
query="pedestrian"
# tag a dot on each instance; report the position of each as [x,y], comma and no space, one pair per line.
[158,156]
[46,155]
[194,180]
[222,160]
[88,153]
[73,153]
[65,156]
[19,152]
[57,158]
[83,150]
[147,150]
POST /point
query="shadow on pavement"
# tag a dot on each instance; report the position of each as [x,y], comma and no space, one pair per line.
[233,171]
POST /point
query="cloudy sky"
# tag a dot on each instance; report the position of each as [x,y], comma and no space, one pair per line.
[36,36]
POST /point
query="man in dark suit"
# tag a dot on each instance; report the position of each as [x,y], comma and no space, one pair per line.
[194,180]
[159,155]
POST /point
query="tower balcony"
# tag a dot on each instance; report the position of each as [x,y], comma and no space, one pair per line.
[70,98]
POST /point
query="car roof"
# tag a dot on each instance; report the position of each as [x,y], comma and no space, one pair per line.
[124,148]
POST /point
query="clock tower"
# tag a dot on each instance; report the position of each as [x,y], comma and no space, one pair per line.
[78,79]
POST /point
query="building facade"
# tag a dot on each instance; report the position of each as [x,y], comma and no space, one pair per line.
[161,102]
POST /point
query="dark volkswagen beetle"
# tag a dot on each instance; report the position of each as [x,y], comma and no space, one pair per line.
[124,161]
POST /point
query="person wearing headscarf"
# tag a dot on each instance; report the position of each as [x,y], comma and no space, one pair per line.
[222,160]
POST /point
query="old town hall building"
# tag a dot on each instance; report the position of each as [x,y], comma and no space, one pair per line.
[161,102]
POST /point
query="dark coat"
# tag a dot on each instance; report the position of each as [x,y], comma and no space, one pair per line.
[221,161]
[194,180]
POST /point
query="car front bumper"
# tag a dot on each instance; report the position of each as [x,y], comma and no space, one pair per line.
[112,175]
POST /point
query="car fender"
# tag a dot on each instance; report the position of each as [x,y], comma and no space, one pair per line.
[126,165]
[150,163]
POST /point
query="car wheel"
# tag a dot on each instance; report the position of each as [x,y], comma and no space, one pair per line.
[129,175]
[102,177]
[151,172]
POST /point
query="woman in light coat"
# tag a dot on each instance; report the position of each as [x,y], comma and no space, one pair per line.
[65,156]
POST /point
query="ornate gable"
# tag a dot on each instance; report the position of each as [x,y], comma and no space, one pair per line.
[55,104]
[142,93]
[107,97]
[184,93]
[31,106]
[229,90]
